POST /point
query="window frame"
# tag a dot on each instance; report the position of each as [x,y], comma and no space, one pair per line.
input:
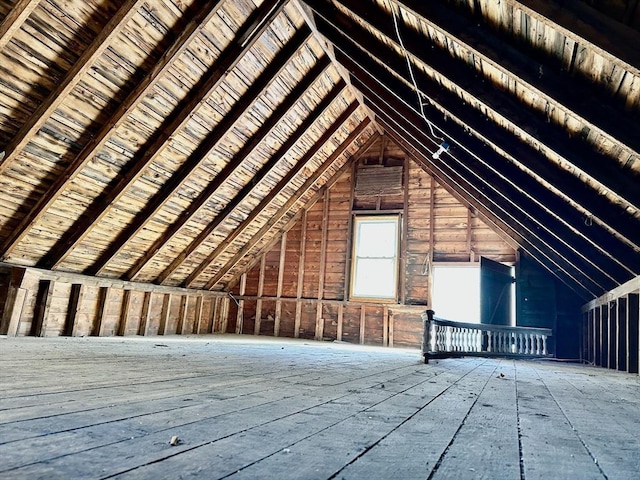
[359,219]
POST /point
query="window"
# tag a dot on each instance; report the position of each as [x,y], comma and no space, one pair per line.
[374,268]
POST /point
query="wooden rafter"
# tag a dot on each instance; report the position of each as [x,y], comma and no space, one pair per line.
[508,170]
[287,206]
[511,59]
[302,214]
[71,79]
[481,177]
[576,20]
[292,98]
[14,20]
[201,153]
[279,154]
[255,25]
[200,16]
[291,174]
[611,215]
[500,212]
[469,194]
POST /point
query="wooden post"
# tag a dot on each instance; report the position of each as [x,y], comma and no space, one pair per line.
[405,234]
[75,303]
[599,336]
[391,331]
[613,335]
[363,315]
[299,290]
[340,320]
[240,314]
[184,307]
[633,320]
[323,267]
[347,267]
[197,322]
[385,326]
[143,328]
[281,267]
[432,240]
[13,310]
[166,310]
[256,326]
[124,313]
[102,305]
[623,350]
[224,322]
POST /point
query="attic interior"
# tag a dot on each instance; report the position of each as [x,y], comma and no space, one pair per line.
[184,167]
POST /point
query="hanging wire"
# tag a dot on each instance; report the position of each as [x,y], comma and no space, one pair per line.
[413,78]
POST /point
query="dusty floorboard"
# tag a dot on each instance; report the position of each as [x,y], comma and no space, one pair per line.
[249,408]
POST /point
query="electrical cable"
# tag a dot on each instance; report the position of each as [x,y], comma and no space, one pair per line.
[413,78]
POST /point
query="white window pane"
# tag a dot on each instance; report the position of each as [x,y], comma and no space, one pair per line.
[375,278]
[377,239]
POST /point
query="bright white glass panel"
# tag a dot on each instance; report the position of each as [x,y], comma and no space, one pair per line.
[456,293]
[375,278]
[377,239]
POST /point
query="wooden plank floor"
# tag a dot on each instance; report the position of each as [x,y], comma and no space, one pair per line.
[260,408]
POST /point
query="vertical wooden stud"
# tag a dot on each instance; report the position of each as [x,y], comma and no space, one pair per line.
[363,315]
[405,233]
[13,310]
[143,328]
[613,335]
[224,322]
[391,331]
[257,324]
[124,313]
[166,311]
[323,267]
[215,314]
[43,304]
[299,290]
[606,342]
[385,326]
[623,350]
[197,323]
[432,240]
[240,314]
[633,320]
[182,320]
[340,321]
[281,267]
[347,266]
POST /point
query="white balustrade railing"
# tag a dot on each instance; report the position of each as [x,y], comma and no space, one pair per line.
[446,338]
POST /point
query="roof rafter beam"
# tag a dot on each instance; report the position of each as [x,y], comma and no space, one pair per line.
[615,217]
[276,157]
[477,123]
[514,201]
[14,20]
[257,210]
[363,150]
[204,149]
[128,9]
[577,20]
[416,152]
[290,100]
[503,209]
[254,26]
[200,16]
[288,204]
[509,56]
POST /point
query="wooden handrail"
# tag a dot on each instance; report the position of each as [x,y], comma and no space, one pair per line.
[445,338]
